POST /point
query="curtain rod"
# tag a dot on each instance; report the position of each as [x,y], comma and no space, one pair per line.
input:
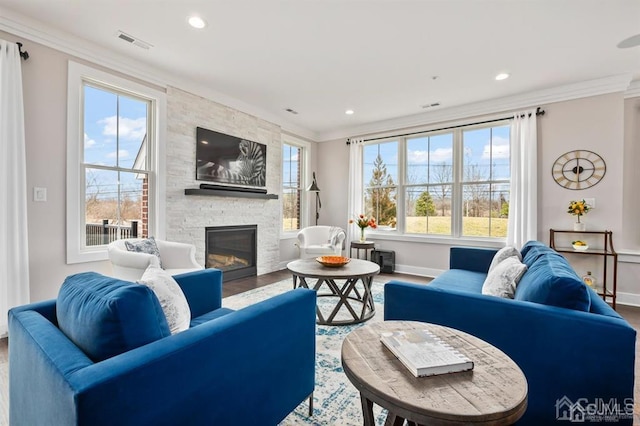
[24,55]
[539,112]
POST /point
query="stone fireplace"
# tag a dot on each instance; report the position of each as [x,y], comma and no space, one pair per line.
[232,249]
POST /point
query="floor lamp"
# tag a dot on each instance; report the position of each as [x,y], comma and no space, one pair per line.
[314,188]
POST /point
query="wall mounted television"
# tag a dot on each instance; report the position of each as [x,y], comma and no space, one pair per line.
[229,160]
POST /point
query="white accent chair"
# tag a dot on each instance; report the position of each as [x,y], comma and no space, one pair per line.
[177,258]
[320,240]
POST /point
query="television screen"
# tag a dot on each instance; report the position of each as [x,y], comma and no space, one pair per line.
[229,160]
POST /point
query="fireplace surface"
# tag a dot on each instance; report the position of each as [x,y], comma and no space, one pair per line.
[232,249]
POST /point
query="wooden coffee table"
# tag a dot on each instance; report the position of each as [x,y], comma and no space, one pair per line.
[493,393]
[354,293]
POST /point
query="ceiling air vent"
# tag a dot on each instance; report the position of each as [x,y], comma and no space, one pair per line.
[135,41]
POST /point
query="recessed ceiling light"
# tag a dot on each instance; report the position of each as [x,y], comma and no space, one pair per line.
[502,76]
[197,22]
[349,112]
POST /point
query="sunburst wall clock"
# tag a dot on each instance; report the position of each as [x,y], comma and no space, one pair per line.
[579,169]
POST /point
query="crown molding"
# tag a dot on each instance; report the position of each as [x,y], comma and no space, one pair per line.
[633,91]
[41,33]
[601,86]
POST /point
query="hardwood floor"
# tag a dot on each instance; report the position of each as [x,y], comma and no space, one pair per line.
[631,314]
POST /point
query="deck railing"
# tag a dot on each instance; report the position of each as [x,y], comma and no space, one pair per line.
[103,233]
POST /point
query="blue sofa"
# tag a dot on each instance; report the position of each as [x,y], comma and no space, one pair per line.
[573,348]
[251,366]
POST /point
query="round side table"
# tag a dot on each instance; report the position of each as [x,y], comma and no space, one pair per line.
[361,245]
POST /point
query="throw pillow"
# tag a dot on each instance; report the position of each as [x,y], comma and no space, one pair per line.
[502,281]
[105,316]
[148,246]
[172,300]
[503,254]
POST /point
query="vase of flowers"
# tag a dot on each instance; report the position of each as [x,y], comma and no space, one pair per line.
[578,209]
[363,223]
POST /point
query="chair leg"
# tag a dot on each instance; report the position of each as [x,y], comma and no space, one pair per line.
[311,404]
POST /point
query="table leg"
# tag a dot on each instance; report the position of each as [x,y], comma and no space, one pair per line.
[367,411]
[394,420]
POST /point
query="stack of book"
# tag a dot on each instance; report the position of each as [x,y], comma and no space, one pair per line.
[424,354]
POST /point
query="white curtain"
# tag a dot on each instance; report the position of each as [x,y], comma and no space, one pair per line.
[523,204]
[355,188]
[14,254]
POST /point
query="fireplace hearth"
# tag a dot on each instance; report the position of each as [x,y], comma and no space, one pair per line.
[232,249]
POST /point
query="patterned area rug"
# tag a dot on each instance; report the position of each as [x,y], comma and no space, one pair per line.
[336,400]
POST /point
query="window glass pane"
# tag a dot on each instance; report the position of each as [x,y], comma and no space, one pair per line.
[100,110]
[131,133]
[500,165]
[115,128]
[380,165]
[113,210]
[380,177]
[486,170]
[441,158]
[425,212]
[477,155]
[291,187]
[417,170]
[380,203]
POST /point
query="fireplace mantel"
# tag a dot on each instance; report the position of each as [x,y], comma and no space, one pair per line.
[229,193]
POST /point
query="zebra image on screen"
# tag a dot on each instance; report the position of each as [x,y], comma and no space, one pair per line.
[248,169]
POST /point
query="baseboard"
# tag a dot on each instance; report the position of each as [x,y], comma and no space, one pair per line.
[628,299]
[417,270]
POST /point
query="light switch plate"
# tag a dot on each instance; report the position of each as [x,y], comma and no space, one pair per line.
[39,194]
[591,202]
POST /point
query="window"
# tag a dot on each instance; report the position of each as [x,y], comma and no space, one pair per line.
[451,183]
[291,187]
[112,158]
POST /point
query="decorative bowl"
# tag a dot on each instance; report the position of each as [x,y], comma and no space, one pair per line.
[333,261]
[580,245]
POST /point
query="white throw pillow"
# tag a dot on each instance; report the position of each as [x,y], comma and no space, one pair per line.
[172,300]
[504,278]
[502,254]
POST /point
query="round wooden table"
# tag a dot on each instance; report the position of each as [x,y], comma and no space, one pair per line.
[354,293]
[493,393]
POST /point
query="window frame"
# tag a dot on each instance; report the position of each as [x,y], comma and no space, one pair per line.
[305,181]
[78,74]
[399,233]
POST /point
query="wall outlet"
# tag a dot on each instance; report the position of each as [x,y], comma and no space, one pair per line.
[39,194]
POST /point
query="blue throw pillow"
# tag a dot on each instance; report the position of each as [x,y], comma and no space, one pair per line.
[529,245]
[551,281]
[105,316]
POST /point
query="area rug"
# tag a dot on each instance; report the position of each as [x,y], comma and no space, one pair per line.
[336,400]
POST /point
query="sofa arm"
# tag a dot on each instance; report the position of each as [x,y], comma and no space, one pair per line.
[475,259]
[252,366]
[562,352]
[202,289]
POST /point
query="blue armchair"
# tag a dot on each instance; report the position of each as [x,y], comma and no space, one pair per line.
[251,366]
